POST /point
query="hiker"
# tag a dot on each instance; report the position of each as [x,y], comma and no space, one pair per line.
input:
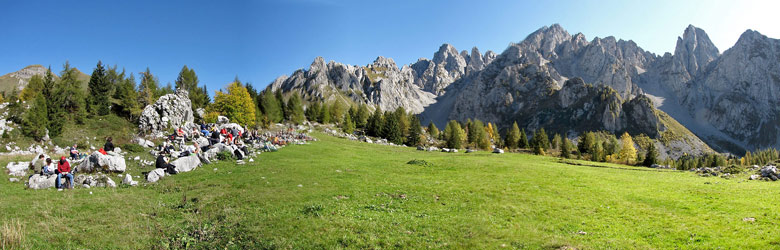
[162,162]
[109,146]
[74,152]
[63,169]
[38,164]
[48,168]
[214,138]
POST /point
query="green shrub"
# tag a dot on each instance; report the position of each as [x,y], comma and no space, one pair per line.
[225,155]
[420,163]
[135,148]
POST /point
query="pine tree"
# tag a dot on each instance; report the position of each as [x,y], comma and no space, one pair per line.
[295,107]
[362,116]
[97,101]
[523,142]
[556,141]
[392,129]
[128,98]
[69,95]
[482,139]
[513,137]
[324,114]
[565,148]
[627,151]
[313,111]
[33,88]
[148,89]
[375,122]
[403,121]
[188,80]
[282,105]
[337,111]
[271,107]
[612,146]
[54,114]
[587,140]
[651,156]
[433,130]
[35,121]
[454,135]
[415,132]
[348,126]
[540,139]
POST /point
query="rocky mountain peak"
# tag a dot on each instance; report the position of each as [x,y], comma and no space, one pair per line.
[546,39]
[383,62]
[695,50]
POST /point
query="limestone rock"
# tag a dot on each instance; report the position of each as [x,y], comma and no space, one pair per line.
[169,111]
[112,162]
[18,168]
[186,164]
[155,175]
[38,181]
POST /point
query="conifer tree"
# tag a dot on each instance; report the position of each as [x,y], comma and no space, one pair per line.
[433,130]
[454,135]
[523,142]
[295,107]
[69,94]
[556,142]
[651,156]
[324,114]
[375,123]
[415,132]
[33,88]
[313,111]
[35,121]
[148,89]
[565,148]
[271,106]
[97,100]
[513,136]
[362,116]
[128,98]
[348,126]
[392,129]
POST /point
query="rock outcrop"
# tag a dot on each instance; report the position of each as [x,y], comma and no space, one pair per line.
[186,164]
[112,162]
[38,181]
[169,111]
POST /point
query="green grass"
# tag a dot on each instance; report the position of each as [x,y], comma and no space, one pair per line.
[336,193]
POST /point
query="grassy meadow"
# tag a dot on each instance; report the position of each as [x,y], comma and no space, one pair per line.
[336,193]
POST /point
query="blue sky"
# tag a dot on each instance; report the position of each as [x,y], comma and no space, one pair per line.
[261,40]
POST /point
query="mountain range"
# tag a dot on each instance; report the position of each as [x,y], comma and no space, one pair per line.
[692,101]
[568,84]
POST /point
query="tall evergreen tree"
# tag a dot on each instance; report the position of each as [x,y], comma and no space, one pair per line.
[271,107]
[313,111]
[33,88]
[565,148]
[97,100]
[128,98]
[295,107]
[454,135]
[433,130]
[415,132]
[348,126]
[54,113]
[188,80]
[587,140]
[148,89]
[523,142]
[540,139]
[512,137]
[556,141]
[392,129]
[35,120]
[69,94]
[324,114]
[403,121]
[282,104]
[651,156]
[337,112]
[375,123]
[362,116]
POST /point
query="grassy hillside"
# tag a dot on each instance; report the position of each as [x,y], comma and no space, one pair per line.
[336,193]
[9,83]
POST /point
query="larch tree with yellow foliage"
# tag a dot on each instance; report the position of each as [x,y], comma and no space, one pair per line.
[236,105]
[627,151]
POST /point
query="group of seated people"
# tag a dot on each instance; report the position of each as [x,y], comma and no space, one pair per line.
[46,168]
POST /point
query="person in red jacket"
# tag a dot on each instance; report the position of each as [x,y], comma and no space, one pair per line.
[63,169]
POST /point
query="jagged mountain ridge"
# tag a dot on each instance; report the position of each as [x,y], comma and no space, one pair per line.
[382,83]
